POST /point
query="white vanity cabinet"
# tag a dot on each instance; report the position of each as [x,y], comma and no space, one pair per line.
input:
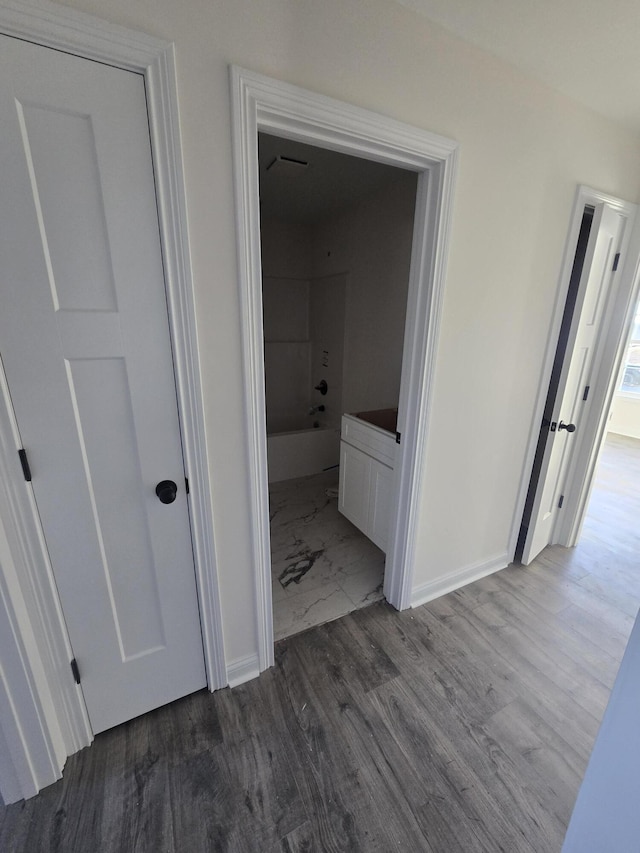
[367,455]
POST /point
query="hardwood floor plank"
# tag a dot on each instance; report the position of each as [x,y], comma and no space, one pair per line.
[551,598]
[145,820]
[303,839]
[363,735]
[566,716]
[244,788]
[505,617]
[589,625]
[612,592]
[550,573]
[467,802]
[439,653]
[578,656]
[345,655]
[522,732]
[487,767]
[338,738]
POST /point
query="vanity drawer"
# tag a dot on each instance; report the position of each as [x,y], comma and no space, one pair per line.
[370,439]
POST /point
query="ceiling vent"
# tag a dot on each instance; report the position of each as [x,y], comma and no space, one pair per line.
[288,167]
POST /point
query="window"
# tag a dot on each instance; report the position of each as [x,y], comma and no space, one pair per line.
[631,375]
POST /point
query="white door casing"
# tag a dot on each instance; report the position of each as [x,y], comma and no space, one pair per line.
[85,345]
[587,335]
[261,103]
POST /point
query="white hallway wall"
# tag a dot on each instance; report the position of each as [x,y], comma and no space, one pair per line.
[523,151]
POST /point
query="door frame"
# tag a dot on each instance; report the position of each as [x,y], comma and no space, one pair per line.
[582,471]
[585,451]
[261,103]
[29,596]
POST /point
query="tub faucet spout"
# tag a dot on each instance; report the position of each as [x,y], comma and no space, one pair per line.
[314,409]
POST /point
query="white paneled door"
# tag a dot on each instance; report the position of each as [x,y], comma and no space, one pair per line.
[85,345]
[570,411]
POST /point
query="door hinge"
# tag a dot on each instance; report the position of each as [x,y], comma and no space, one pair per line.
[75,670]
[398,437]
[186,484]
[22,453]
[586,393]
[616,261]
[561,501]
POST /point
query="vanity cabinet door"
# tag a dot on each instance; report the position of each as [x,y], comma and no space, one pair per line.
[365,493]
[381,482]
[355,478]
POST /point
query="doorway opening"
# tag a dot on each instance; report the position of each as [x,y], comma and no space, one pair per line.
[336,236]
[272,107]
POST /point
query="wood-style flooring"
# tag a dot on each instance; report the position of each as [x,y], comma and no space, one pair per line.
[463,725]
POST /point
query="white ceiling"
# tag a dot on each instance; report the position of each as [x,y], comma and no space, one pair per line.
[331,182]
[586,49]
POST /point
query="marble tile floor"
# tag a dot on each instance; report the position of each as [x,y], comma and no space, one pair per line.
[322,567]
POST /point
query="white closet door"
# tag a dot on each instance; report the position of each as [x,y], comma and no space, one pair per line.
[84,340]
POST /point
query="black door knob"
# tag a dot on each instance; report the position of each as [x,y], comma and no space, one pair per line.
[568,427]
[166,490]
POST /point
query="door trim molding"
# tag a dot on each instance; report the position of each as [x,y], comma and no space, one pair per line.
[584,196]
[59,27]
[261,103]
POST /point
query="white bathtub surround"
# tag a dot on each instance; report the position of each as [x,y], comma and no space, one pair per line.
[304,341]
[302,452]
[322,566]
[303,345]
[287,385]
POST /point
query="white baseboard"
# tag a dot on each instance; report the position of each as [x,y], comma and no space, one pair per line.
[243,670]
[441,586]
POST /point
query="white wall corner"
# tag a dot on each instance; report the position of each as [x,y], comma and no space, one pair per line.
[461,577]
[243,669]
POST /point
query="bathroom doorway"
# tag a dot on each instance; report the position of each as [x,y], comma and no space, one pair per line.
[336,237]
[262,104]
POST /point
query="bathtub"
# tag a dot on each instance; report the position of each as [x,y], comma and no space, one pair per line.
[302,452]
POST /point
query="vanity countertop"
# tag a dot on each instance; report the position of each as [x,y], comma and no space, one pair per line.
[386,419]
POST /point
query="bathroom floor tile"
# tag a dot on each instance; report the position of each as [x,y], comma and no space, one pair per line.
[322,566]
[308,609]
[363,587]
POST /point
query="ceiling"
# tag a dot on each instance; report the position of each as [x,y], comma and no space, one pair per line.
[331,182]
[586,49]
